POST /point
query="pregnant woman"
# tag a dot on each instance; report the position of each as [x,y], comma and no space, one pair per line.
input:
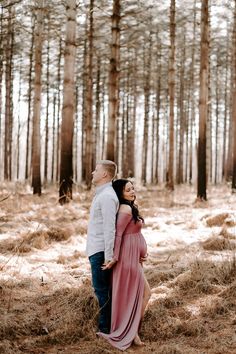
[130,289]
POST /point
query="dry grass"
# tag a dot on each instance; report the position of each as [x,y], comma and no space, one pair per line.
[37,239]
[217,220]
[218,243]
[67,259]
[226,233]
[64,316]
[192,310]
[156,277]
[174,349]
[81,227]
[204,276]
[162,321]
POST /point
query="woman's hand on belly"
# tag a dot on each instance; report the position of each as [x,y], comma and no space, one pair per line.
[143,259]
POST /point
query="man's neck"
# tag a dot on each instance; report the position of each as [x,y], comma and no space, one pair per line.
[102,183]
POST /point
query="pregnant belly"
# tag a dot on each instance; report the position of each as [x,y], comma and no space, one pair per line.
[143,247]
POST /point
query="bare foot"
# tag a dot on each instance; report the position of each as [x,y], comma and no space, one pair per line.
[137,341]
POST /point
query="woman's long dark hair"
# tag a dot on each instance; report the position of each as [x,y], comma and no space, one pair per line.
[119,186]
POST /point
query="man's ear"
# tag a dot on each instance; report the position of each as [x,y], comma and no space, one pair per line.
[105,173]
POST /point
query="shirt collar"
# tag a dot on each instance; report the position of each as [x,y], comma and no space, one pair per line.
[99,189]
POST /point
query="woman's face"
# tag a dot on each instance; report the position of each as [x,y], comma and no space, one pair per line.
[128,192]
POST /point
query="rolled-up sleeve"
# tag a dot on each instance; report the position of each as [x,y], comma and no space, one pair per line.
[109,206]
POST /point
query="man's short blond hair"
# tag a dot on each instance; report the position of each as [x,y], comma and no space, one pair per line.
[109,166]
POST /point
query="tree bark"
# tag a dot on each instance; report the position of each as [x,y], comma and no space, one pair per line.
[182,113]
[8,96]
[28,157]
[89,104]
[1,79]
[66,169]
[36,146]
[203,101]
[147,77]
[192,83]
[58,110]
[234,102]
[113,81]
[47,106]
[170,176]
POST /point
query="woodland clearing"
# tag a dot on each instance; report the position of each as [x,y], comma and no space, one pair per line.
[47,303]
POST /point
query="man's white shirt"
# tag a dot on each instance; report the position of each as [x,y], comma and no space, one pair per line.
[102,221]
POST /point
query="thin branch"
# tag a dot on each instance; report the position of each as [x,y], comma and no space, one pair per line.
[5,197]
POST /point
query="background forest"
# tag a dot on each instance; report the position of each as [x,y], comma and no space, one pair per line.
[150,84]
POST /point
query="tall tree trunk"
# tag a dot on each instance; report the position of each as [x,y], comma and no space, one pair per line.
[66,170]
[84,103]
[209,125]
[217,104]
[103,152]
[53,137]
[1,78]
[89,104]
[76,130]
[113,81]
[203,100]
[226,111]
[36,146]
[158,109]
[192,80]
[19,122]
[147,77]
[182,113]
[8,96]
[96,150]
[234,102]
[134,113]
[58,109]
[170,178]
[130,130]
[27,157]
[47,106]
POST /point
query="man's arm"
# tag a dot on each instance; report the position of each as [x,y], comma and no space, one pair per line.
[109,205]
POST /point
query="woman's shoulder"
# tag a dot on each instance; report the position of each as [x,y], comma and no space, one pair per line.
[124,208]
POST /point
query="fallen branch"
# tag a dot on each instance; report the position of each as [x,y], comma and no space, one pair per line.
[5,198]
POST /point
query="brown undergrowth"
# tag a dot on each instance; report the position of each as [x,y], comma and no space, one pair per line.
[36,239]
[200,304]
[192,309]
[47,317]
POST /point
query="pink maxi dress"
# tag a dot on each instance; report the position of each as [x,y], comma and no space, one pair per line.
[127,282]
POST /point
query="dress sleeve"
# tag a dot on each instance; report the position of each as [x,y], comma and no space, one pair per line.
[122,222]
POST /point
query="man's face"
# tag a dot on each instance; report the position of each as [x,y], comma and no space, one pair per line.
[98,175]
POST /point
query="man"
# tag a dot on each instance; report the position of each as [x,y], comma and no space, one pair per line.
[101,236]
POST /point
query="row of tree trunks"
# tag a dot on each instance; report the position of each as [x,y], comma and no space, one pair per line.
[159,103]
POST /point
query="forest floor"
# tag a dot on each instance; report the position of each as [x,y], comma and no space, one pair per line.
[47,303]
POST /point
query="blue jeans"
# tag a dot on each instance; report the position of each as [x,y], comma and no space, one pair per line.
[101,280]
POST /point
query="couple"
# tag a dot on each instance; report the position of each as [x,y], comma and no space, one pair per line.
[115,244]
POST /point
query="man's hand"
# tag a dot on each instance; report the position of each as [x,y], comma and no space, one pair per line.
[108,264]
